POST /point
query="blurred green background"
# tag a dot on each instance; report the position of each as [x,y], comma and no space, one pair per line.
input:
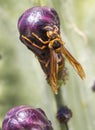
[22,81]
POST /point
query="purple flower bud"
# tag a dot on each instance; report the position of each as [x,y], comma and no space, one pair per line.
[64,114]
[26,118]
[35,19]
[93,87]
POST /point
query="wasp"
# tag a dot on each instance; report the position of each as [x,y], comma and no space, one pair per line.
[39,29]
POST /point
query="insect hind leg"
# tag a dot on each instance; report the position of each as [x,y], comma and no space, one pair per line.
[62,70]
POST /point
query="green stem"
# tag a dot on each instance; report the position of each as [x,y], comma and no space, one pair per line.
[59,104]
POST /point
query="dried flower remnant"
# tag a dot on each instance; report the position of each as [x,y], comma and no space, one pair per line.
[26,118]
[39,29]
[93,87]
[64,114]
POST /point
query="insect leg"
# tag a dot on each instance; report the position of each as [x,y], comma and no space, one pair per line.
[28,40]
[44,42]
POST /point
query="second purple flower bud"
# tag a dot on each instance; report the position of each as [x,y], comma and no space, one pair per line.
[26,118]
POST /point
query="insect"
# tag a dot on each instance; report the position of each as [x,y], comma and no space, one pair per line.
[39,29]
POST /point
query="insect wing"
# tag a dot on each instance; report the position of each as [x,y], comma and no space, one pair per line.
[53,70]
[73,62]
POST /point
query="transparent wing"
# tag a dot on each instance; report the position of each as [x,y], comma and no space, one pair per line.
[53,71]
[73,62]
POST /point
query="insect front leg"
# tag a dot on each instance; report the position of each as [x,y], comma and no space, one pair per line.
[37,37]
[33,44]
